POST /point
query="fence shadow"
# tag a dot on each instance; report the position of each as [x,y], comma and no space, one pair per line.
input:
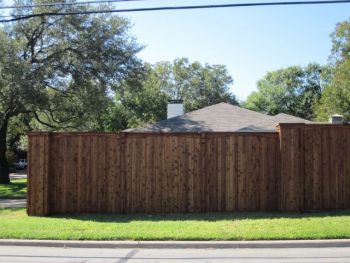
[207,217]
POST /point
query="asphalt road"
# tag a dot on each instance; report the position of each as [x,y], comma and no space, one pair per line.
[87,255]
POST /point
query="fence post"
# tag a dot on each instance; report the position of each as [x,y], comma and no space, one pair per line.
[38,173]
[292,166]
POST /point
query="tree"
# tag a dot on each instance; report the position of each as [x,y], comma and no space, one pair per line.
[144,102]
[60,70]
[17,128]
[143,98]
[293,90]
[198,85]
[341,42]
[336,96]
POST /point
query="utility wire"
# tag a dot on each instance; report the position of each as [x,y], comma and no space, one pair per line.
[162,8]
[66,4]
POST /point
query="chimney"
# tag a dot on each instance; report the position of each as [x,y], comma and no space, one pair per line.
[175,108]
[336,119]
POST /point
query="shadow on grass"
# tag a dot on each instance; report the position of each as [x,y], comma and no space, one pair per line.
[208,217]
[17,189]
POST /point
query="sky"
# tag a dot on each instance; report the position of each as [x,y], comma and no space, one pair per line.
[249,41]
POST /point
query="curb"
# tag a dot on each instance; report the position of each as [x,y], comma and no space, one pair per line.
[179,244]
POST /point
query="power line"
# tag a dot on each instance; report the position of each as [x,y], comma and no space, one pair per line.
[66,4]
[162,8]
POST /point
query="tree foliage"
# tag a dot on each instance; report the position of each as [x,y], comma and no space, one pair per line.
[293,90]
[60,70]
[198,85]
[341,41]
[145,102]
[144,98]
[336,96]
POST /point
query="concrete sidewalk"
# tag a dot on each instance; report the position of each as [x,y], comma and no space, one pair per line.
[179,244]
[15,176]
[13,203]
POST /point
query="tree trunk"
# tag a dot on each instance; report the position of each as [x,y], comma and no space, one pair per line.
[4,168]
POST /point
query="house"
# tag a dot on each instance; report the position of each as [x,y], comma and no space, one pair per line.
[221,117]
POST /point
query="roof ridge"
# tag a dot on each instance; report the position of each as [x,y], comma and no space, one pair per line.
[290,115]
[282,113]
[279,114]
[194,111]
[245,109]
[224,103]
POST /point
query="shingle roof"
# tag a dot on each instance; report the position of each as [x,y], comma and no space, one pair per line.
[268,124]
[220,117]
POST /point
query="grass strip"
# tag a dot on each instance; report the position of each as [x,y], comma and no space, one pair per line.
[209,226]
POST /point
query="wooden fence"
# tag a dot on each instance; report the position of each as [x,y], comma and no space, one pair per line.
[315,167]
[300,167]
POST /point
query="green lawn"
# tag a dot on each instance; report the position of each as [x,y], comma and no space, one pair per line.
[16,190]
[212,226]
